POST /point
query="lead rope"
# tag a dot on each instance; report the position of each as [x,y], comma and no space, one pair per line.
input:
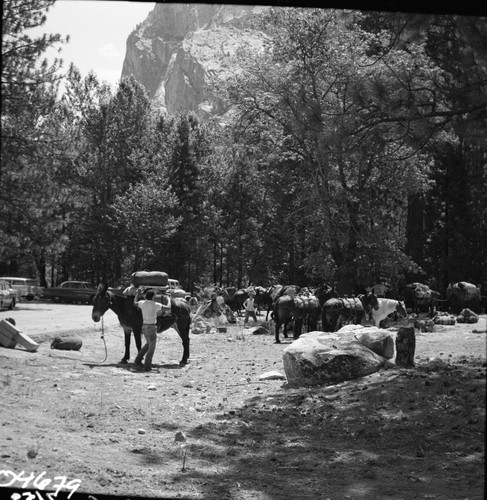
[104,343]
[103,338]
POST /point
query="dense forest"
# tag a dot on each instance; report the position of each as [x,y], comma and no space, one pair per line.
[354,153]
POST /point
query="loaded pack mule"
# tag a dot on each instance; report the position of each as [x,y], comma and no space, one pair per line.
[263,300]
[464,295]
[130,318]
[304,309]
[341,311]
[420,297]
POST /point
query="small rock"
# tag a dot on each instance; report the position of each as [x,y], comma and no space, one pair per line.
[272,375]
[141,431]
[179,437]
[152,388]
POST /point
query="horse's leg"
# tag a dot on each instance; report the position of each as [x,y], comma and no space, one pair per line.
[277,328]
[324,321]
[325,325]
[127,333]
[286,326]
[342,320]
[360,317]
[298,325]
[138,338]
[182,327]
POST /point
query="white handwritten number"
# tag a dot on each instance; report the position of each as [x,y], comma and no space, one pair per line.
[41,485]
[4,475]
[71,485]
[22,478]
[8,478]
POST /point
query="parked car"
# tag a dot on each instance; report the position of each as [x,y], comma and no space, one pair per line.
[26,288]
[7,295]
[72,291]
[176,290]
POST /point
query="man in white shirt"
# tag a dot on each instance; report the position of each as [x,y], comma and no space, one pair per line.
[250,308]
[150,310]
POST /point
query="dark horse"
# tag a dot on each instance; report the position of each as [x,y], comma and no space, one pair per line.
[323,293]
[418,296]
[130,318]
[263,299]
[338,312]
[236,301]
[303,309]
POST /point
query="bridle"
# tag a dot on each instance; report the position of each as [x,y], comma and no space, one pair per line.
[369,304]
[107,301]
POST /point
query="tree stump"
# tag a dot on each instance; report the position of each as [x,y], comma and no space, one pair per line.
[405,347]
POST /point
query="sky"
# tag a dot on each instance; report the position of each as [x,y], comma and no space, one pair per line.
[98,30]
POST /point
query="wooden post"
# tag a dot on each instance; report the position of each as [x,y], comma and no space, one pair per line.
[405,347]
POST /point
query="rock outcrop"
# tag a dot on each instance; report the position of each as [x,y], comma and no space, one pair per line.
[180,48]
[319,358]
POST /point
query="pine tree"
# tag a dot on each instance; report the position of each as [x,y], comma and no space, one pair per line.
[28,137]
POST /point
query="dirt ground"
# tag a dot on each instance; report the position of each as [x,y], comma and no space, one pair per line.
[71,420]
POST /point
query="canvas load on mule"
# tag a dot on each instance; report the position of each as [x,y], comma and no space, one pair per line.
[10,336]
[67,343]
[149,278]
[7,335]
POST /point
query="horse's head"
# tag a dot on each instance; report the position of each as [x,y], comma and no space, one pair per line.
[401,309]
[101,302]
[325,292]
[370,301]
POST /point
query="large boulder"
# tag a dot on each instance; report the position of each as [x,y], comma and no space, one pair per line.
[376,339]
[319,358]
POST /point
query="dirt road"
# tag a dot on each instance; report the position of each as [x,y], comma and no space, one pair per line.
[45,319]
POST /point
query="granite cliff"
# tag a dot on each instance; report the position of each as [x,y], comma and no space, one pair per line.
[179,48]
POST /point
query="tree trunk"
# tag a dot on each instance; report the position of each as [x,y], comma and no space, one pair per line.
[41,268]
[415,236]
[405,347]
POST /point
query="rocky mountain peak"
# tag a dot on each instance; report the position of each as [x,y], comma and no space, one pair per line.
[175,51]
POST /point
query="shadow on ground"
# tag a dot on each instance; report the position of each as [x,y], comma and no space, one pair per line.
[400,434]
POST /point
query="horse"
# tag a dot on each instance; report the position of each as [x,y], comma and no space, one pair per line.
[238,299]
[282,314]
[207,292]
[418,296]
[386,307]
[306,312]
[323,293]
[463,295]
[338,312]
[130,318]
[303,309]
[263,300]
[268,297]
